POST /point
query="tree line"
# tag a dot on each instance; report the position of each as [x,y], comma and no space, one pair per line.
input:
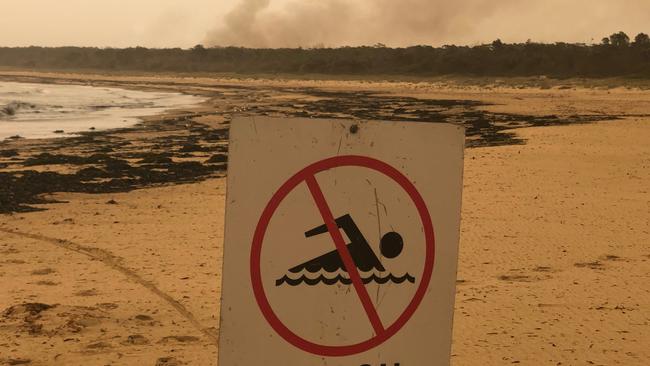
[616,55]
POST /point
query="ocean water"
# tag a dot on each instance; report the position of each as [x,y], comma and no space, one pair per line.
[38,110]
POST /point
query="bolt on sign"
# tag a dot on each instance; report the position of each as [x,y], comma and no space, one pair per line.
[341,242]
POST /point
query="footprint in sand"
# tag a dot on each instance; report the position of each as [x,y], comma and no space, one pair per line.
[515,278]
[598,264]
[521,275]
[15,261]
[108,305]
[47,283]
[168,361]
[179,339]
[98,347]
[145,320]
[592,265]
[136,340]
[612,258]
[43,272]
[87,293]
[15,361]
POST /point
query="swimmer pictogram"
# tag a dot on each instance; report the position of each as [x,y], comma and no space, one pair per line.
[354,263]
[363,256]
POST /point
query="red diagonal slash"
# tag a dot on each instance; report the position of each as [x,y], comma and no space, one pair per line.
[350,266]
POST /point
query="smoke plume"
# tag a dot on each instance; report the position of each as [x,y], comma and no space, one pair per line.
[309,23]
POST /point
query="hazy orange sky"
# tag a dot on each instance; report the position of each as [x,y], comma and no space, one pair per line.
[278,23]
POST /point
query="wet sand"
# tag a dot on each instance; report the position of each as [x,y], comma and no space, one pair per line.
[554,264]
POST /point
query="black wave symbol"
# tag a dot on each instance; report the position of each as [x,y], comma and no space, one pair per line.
[340,279]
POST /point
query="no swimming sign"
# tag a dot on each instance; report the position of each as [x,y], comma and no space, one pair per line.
[341,242]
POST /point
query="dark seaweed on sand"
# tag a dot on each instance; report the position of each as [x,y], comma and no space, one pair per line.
[190,151]
[108,166]
[482,128]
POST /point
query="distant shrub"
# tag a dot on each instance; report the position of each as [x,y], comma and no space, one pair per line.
[616,55]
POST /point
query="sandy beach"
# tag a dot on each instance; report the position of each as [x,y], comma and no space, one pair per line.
[111,244]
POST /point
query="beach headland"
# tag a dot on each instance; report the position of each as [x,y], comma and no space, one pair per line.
[111,241]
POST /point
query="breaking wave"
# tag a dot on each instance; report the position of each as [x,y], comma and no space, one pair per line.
[343,280]
[33,110]
[11,108]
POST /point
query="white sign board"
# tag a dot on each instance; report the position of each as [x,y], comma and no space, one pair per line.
[341,242]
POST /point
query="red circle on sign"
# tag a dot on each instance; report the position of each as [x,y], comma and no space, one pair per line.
[260,231]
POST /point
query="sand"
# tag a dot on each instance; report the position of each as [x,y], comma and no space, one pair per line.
[554,263]
[553,268]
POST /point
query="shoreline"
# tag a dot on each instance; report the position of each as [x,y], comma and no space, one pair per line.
[45,111]
[190,144]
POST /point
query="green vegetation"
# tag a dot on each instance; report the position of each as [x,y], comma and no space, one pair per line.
[616,55]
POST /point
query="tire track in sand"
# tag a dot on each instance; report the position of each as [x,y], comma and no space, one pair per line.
[112,261]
